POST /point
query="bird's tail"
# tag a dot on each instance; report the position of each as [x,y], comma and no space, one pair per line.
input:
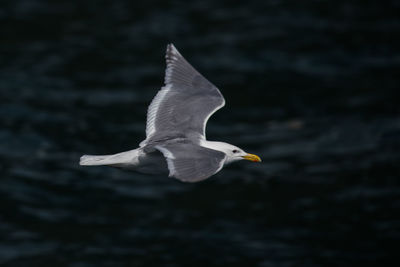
[90,160]
[111,160]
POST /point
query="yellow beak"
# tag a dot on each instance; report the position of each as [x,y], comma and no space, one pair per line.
[252,157]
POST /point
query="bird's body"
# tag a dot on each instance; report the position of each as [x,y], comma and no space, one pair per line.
[175,132]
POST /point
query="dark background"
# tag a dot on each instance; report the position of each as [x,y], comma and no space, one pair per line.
[311,86]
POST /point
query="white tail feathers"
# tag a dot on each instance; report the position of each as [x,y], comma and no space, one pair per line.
[89,160]
[120,159]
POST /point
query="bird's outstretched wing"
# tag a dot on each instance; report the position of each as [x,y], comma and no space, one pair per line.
[191,163]
[182,107]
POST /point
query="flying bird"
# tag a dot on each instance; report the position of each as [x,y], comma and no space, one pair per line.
[175,141]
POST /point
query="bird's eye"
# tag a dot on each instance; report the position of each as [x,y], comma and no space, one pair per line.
[235,151]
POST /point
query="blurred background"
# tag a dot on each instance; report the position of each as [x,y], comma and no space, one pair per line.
[311,87]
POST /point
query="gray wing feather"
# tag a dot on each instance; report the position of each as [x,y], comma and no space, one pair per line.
[182,107]
[190,162]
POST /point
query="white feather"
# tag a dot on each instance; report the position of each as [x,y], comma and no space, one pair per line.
[153,110]
[169,156]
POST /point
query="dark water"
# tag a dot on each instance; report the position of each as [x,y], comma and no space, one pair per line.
[310,86]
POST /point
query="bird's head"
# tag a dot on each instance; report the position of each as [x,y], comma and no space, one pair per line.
[234,153]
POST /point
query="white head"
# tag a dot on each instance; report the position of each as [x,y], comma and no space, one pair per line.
[233,153]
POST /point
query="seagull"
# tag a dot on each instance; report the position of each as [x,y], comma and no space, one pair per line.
[175,141]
